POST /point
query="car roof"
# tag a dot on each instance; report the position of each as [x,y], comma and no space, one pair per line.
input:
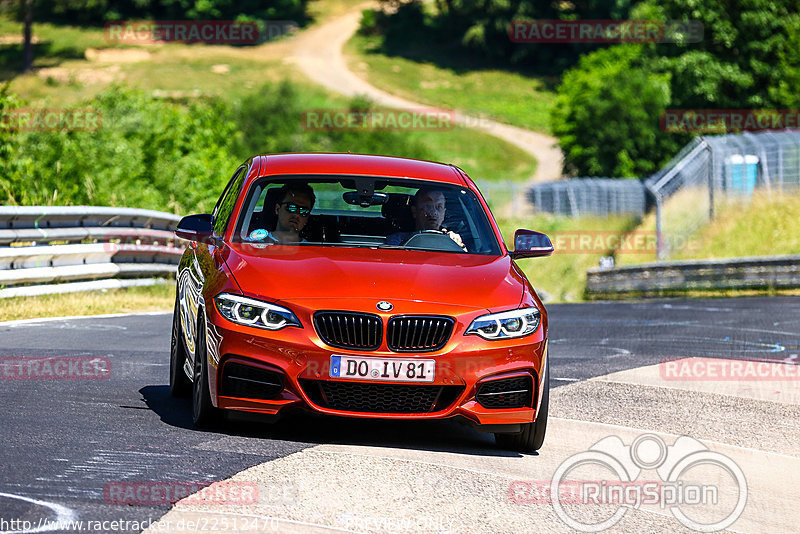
[357,164]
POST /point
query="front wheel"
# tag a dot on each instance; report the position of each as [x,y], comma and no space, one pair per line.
[179,383]
[531,437]
[204,414]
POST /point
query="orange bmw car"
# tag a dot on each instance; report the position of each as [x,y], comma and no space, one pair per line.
[360,286]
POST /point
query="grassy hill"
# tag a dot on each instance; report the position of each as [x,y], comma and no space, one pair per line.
[77,67]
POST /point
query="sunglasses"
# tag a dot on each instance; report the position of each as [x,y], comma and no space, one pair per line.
[294,208]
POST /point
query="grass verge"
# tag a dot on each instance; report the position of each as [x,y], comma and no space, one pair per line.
[506,96]
[762,225]
[183,72]
[698,294]
[160,297]
[562,276]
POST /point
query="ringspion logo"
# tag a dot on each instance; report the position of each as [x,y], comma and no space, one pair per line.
[702,489]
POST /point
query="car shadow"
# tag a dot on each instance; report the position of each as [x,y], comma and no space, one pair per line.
[303,427]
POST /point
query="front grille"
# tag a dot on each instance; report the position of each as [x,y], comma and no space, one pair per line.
[418,333]
[380,398]
[349,330]
[249,382]
[514,392]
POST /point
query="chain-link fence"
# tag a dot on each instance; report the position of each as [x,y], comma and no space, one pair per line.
[712,168]
[505,198]
[589,196]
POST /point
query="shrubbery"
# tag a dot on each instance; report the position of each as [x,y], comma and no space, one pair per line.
[481,29]
[610,102]
[151,153]
[609,106]
[98,11]
[606,115]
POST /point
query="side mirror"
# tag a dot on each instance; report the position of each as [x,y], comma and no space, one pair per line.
[530,244]
[195,227]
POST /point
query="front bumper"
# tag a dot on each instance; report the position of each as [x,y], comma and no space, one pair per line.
[302,361]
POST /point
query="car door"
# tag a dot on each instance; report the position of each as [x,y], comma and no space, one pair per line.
[202,261]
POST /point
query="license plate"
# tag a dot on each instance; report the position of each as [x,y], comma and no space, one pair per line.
[393,369]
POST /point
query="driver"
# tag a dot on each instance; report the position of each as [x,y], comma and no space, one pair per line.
[428,210]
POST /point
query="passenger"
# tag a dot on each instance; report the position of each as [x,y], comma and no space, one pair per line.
[295,204]
[428,210]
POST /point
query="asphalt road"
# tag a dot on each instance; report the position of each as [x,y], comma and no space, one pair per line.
[65,441]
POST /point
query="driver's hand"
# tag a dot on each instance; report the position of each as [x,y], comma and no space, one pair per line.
[457,238]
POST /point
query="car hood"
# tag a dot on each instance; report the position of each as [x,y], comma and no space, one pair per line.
[277,272]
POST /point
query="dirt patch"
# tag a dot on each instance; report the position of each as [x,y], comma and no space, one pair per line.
[176,95]
[221,69]
[117,55]
[13,38]
[82,76]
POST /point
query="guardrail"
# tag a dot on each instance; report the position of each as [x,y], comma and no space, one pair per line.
[770,272]
[47,249]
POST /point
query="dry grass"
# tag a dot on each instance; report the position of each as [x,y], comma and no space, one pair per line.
[160,297]
[562,276]
[762,225]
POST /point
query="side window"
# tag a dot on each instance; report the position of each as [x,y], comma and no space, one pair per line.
[224,208]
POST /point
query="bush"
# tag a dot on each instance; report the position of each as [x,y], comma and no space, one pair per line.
[161,155]
[368,24]
[609,106]
[480,30]
[99,11]
[607,116]
[7,145]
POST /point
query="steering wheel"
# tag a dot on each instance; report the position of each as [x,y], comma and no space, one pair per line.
[421,232]
[432,239]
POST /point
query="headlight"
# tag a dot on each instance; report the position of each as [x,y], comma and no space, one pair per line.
[514,323]
[252,312]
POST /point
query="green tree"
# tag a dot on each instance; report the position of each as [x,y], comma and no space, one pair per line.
[747,58]
[481,27]
[7,145]
[608,109]
[151,153]
[98,11]
[604,115]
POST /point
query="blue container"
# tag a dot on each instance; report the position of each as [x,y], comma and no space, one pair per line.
[743,173]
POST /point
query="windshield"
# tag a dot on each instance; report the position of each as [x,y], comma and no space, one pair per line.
[365,212]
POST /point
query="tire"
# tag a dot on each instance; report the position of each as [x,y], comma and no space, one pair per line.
[204,414]
[531,437]
[179,383]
